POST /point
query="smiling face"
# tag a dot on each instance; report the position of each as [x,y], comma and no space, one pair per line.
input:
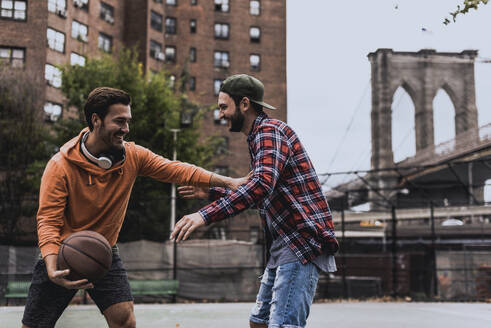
[111,131]
[230,112]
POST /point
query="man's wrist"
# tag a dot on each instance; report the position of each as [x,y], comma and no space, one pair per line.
[217,180]
[50,261]
[203,216]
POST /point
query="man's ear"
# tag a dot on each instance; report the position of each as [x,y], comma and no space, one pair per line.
[245,104]
[96,120]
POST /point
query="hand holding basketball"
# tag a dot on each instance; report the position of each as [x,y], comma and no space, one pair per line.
[87,254]
[186,225]
[59,276]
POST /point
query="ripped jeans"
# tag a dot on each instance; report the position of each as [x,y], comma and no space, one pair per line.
[285,295]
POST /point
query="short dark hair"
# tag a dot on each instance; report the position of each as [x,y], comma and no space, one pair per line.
[237,99]
[99,101]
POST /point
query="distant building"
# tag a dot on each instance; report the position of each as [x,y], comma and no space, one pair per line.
[200,42]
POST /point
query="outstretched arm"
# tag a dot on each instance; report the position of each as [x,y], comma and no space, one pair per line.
[162,169]
[271,155]
[190,192]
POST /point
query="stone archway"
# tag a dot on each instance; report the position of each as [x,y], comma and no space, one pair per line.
[421,74]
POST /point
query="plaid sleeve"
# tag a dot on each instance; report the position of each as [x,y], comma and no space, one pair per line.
[271,153]
[218,192]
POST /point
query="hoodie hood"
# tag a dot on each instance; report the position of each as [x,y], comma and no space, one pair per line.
[71,152]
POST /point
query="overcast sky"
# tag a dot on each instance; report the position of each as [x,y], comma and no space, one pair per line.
[328,72]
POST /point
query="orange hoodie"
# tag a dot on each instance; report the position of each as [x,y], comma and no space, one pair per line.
[76,194]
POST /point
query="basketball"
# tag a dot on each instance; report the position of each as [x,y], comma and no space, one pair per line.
[87,254]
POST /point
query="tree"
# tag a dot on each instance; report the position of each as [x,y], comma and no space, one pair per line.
[156,108]
[25,147]
[468,5]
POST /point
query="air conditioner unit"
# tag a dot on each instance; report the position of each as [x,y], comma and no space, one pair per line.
[78,3]
[61,12]
[160,56]
[225,64]
[82,37]
[108,18]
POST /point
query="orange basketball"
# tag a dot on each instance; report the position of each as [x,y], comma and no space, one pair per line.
[87,254]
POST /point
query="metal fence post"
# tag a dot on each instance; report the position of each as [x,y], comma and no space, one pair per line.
[174,267]
[433,251]
[343,257]
[394,252]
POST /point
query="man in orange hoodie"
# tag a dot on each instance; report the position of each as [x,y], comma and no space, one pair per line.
[87,186]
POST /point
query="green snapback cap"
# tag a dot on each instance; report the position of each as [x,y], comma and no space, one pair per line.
[246,86]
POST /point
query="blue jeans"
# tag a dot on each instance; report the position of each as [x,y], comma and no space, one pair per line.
[285,295]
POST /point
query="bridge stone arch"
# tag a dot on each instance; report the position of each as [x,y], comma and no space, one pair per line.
[421,74]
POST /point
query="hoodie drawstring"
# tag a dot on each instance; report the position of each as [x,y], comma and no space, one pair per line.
[90,180]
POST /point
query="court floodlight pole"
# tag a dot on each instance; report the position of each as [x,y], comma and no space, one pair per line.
[173,213]
[173,191]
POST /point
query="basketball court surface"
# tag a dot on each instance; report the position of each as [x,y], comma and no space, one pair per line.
[339,315]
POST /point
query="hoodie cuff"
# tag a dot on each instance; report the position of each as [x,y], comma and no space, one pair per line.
[49,249]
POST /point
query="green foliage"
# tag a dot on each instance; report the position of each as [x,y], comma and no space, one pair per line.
[468,5]
[25,147]
[156,109]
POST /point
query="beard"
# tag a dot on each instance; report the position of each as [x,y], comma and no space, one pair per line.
[237,121]
[107,137]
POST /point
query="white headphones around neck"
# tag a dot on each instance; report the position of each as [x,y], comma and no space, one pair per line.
[103,162]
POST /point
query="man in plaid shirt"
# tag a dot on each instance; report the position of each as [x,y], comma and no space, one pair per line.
[284,187]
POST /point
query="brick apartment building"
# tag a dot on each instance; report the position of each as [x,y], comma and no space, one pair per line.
[202,40]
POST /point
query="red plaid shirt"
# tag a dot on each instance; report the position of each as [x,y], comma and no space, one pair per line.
[285,189]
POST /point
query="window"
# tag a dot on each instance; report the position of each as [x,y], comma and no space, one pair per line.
[76,59]
[221,59]
[107,13]
[56,40]
[194,2]
[58,7]
[221,5]
[171,2]
[216,112]
[156,50]
[216,87]
[156,21]
[192,26]
[170,54]
[14,9]
[254,7]
[192,55]
[157,1]
[255,62]
[52,75]
[52,111]
[81,4]
[222,170]
[255,34]
[105,42]
[192,83]
[221,30]
[80,31]
[13,56]
[170,25]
